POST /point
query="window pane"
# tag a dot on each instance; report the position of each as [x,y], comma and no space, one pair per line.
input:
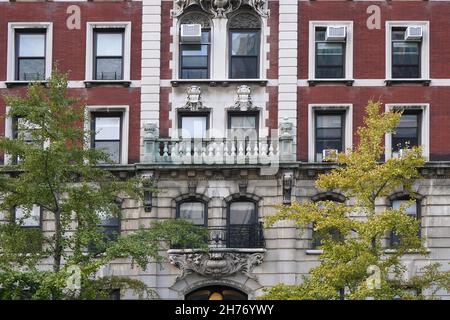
[194,62]
[31,69]
[31,45]
[408,121]
[110,147]
[194,50]
[109,69]
[244,67]
[411,211]
[193,211]
[194,73]
[244,43]
[107,128]
[33,218]
[109,44]
[329,121]
[243,122]
[320,34]
[329,133]
[193,127]
[242,213]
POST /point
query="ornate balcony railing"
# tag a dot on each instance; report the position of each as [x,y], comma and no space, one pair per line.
[263,151]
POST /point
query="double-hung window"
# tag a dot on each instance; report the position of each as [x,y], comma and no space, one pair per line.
[107,133]
[30,45]
[412,211]
[193,125]
[109,54]
[329,56]
[329,132]
[244,44]
[194,58]
[406,55]
[407,134]
[243,125]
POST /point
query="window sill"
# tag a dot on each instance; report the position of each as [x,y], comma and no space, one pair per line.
[315,82]
[314,252]
[423,82]
[218,82]
[392,251]
[11,84]
[96,83]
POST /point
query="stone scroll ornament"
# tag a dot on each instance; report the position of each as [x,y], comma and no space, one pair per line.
[216,264]
[219,8]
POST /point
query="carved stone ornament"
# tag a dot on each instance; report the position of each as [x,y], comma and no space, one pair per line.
[286,128]
[216,264]
[151,130]
[244,99]
[288,179]
[219,8]
[194,98]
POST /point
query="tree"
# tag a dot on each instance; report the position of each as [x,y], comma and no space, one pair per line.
[349,259]
[51,168]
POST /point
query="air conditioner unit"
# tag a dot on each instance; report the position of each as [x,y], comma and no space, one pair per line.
[336,33]
[191,33]
[329,155]
[413,33]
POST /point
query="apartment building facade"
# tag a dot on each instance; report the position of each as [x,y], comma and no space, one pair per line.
[234,106]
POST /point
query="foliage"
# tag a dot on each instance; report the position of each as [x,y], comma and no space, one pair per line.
[363,178]
[52,168]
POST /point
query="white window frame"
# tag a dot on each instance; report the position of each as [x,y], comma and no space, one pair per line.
[425,48]
[11,56]
[90,26]
[125,126]
[348,135]
[424,130]
[348,49]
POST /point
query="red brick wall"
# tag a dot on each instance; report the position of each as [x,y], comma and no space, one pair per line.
[272,72]
[369,63]
[69,49]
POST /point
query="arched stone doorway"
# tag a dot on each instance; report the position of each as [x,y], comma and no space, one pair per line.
[216,292]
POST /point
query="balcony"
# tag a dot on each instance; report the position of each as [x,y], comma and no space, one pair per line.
[233,249]
[219,151]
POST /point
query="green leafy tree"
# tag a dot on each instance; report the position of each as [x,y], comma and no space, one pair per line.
[348,260]
[51,168]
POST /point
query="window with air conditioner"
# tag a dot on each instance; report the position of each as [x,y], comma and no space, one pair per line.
[329,135]
[407,134]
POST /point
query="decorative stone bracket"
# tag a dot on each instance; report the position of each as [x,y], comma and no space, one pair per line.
[217,262]
[220,8]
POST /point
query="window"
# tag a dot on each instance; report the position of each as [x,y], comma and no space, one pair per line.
[332,233]
[27,218]
[407,52]
[193,211]
[109,227]
[108,54]
[244,38]
[330,56]
[243,125]
[412,211]
[21,129]
[193,125]
[405,55]
[412,130]
[329,132]
[407,134]
[29,51]
[107,134]
[244,231]
[30,54]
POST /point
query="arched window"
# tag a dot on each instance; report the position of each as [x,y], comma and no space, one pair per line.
[412,211]
[195,53]
[317,238]
[244,45]
[194,211]
[243,229]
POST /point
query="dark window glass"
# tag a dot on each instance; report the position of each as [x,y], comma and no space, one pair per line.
[407,133]
[244,55]
[107,134]
[412,211]
[405,55]
[330,57]
[329,132]
[108,54]
[194,58]
[333,233]
[243,228]
[109,226]
[193,211]
[30,54]
[242,212]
